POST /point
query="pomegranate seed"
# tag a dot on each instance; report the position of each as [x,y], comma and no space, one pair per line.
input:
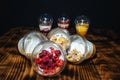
[55,58]
[43,53]
[57,52]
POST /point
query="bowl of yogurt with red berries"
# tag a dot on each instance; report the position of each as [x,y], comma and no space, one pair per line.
[48,59]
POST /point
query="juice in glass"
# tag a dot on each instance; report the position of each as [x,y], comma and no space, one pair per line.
[82,25]
[82,28]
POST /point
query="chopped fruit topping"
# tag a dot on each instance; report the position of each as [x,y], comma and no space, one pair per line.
[62,41]
[43,53]
[49,62]
[74,55]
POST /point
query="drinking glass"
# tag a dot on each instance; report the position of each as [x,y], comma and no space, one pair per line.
[82,25]
[63,21]
[45,22]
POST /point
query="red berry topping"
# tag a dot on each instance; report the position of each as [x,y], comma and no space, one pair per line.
[43,53]
[50,55]
[49,61]
[55,58]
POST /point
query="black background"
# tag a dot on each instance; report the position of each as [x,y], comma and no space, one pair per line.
[15,13]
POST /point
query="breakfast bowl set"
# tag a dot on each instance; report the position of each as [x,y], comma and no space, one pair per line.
[49,54]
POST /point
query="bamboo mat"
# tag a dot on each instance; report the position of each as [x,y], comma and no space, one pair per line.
[105,65]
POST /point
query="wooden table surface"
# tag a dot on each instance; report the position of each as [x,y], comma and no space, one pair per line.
[105,65]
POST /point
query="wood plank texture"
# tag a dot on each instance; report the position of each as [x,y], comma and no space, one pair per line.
[103,66]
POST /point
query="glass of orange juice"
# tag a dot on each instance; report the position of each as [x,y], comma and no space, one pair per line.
[82,25]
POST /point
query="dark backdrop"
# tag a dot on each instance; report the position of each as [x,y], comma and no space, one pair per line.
[15,13]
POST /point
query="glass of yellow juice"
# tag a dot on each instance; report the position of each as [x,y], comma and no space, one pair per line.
[82,25]
[82,28]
